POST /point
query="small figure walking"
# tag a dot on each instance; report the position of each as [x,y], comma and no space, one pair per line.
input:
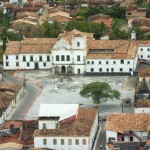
[101,147]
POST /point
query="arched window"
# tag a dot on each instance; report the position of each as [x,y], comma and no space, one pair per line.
[78,44]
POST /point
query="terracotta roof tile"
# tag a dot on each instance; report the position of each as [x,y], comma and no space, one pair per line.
[10,86]
[115,49]
[26,13]
[144,72]
[143,103]
[13,47]
[106,21]
[7,124]
[127,122]
[30,46]
[80,127]
[70,34]
[59,13]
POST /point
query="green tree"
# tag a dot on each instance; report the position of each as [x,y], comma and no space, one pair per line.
[139,2]
[139,33]
[100,30]
[4,37]
[148,10]
[99,90]
[14,36]
[49,30]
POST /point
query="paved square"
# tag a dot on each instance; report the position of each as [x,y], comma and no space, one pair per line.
[66,91]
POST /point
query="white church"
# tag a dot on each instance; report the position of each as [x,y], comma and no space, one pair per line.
[76,52]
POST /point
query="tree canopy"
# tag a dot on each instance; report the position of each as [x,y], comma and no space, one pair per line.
[99,90]
[88,26]
[112,12]
[48,30]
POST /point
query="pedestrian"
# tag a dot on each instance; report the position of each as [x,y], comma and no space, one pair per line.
[101,147]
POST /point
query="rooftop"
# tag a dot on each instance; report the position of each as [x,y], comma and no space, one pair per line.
[143,103]
[59,13]
[30,46]
[58,110]
[144,72]
[80,127]
[7,124]
[105,49]
[7,94]
[25,137]
[123,49]
[127,122]
[106,21]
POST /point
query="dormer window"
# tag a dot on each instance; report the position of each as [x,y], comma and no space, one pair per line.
[78,44]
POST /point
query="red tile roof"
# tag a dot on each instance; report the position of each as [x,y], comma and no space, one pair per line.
[80,127]
[127,122]
[7,124]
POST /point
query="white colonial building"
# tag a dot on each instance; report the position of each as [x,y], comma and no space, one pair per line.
[65,127]
[126,127]
[76,52]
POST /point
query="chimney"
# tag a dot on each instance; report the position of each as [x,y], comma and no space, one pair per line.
[133,35]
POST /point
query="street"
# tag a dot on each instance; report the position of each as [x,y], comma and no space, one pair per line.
[32,93]
[101,138]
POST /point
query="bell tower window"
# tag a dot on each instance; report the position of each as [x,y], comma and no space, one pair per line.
[78,44]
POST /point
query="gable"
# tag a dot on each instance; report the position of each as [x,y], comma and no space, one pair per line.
[62,44]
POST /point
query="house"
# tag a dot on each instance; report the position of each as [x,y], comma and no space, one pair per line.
[108,22]
[76,52]
[9,96]
[135,12]
[61,126]
[24,9]
[99,18]
[126,128]
[26,55]
[17,134]
[26,24]
[8,8]
[140,22]
[24,14]
[142,94]
[59,16]
[144,72]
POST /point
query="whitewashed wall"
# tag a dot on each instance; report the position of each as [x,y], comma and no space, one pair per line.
[38,143]
[10,106]
[23,64]
[11,61]
[142,110]
[50,124]
[110,65]
[110,134]
[94,131]
[63,48]
[140,134]
[145,52]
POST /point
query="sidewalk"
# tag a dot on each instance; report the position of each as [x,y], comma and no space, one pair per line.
[9,116]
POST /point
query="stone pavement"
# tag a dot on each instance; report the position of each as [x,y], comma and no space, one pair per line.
[67,91]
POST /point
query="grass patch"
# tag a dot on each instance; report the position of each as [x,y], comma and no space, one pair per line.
[121,22]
